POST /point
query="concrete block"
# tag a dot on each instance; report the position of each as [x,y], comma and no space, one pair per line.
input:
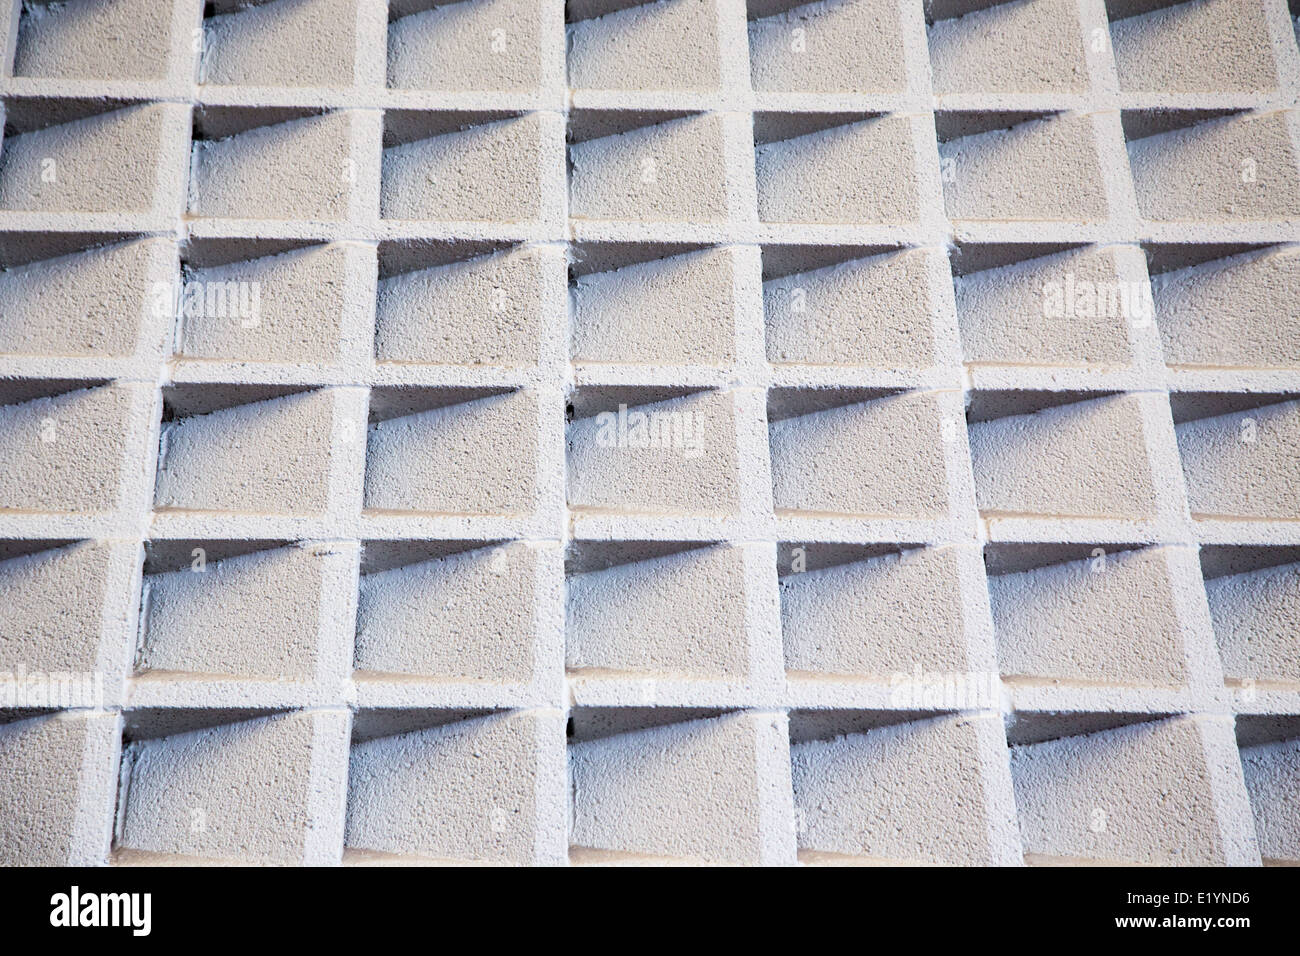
[281,43]
[911,793]
[873,458]
[258,614]
[1085,459]
[1238,168]
[1030,46]
[1201,46]
[62,602]
[856,171]
[660,45]
[239,793]
[468,615]
[448,452]
[65,451]
[295,306]
[830,46]
[95,40]
[1143,794]
[681,614]
[488,171]
[1235,312]
[472,45]
[1256,616]
[1047,169]
[1272,773]
[1070,308]
[1243,464]
[629,453]
[484,310]
[1110,618]
[109,161]
[876,311]
[295,169]
[267,455]
[682,793]
[672,171]
[846,619]
[462,792]
[57,776]
[677,310]
[99,302]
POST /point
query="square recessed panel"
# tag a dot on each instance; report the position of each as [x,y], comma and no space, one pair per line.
[1029,46]
[278,43]
[1196,47]
[833,46]
[474,45]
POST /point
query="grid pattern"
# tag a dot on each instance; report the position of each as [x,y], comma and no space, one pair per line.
[741,431]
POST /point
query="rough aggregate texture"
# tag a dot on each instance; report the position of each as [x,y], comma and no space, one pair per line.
[649,432]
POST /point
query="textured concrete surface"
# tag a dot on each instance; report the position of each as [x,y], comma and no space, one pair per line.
[649,432]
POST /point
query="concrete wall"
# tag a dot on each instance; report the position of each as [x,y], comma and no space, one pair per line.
[597,432]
